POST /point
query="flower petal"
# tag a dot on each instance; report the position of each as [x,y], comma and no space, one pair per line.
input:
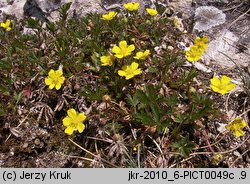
[119,56]
[225,80]
[243,124]
[147,52]
[61,79]
[80,127]
[223,91]
[51,86]
[229,87]
[69,130]
[214,88]
[131,48]
[215,81]
[123,44]
[137,72]
[134,66]
[67,121]
[8,23]
[129,76]
[72,113]
[116,49]
[59,73]
[197,39]
[52,73]
[238,133]
[2,25]
[121,73]
[58,86]
[81,117]
[48,81]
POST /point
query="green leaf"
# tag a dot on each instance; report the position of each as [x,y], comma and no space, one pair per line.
[4,90]
[92,95]
[141,97]
[152,93]
[152,70]
[172,101]
[156,113]
[163,127]
[64,10]
[61,45]
[144,118]
[2,110]
[180,117]
[18,97]
[5,64]
[183,146]
[95,59]
[189,76]
[132,100]
[33,23]
[51,27]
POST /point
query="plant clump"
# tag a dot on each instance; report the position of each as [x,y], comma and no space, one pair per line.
[122,89]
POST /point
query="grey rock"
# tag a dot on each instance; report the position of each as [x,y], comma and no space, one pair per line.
[32,9]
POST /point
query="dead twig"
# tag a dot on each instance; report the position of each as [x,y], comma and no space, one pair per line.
[107,162]
[240,17]
[239,158]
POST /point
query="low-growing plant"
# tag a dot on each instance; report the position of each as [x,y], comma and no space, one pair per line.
[130,62]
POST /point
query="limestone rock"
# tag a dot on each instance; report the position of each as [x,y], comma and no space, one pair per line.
[207,17]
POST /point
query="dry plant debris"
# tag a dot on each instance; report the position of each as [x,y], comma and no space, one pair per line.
[115,90]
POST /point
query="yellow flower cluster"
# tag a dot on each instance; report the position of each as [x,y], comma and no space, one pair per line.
[130,7]
[74,120]
[135,7]
[236,127]
[121,51]
[197,50]
[6,25]
[142,55]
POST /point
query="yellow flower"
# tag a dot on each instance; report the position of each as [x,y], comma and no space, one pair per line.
[194,54]
[236,127]
[222,86]
[142,55]
[106,98]
[109,16]
[151,12]
[6,25]
[201,43]
[217,158]
[74,121]
[132,6]
[123,50]
[55,79]
[201,40]
[130,71]
[176,23]
[107,60]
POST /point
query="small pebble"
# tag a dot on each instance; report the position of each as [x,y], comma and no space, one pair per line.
[37,142]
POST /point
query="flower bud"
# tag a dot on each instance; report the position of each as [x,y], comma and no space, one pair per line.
[106,99]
